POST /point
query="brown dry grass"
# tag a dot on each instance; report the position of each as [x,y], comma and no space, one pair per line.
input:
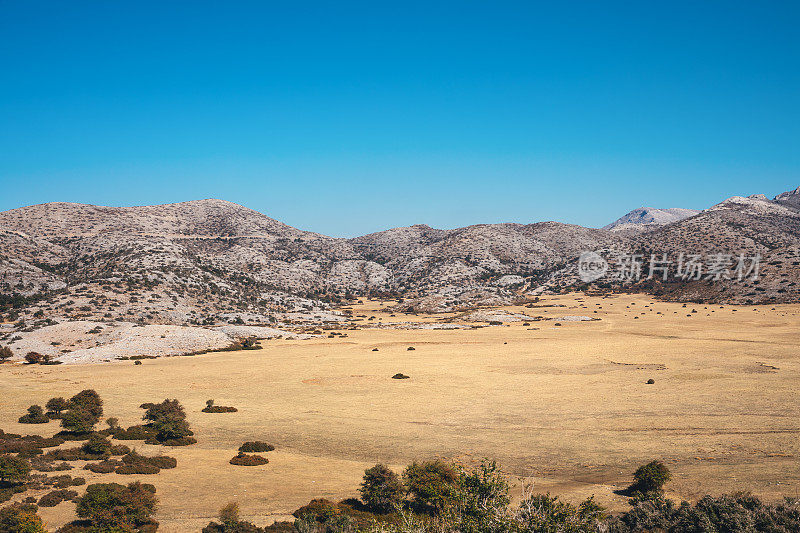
[566,405]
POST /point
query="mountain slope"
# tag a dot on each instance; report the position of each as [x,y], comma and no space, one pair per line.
[212,261]
[646,218]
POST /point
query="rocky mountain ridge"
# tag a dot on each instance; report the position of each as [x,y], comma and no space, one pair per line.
[211,261]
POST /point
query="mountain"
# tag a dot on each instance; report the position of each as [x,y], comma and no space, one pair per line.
[790,198]
[211,261]
[752,226]
[647,218]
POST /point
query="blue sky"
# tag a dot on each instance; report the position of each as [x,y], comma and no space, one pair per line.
[351,117]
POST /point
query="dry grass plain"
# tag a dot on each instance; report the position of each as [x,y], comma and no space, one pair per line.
[566,406]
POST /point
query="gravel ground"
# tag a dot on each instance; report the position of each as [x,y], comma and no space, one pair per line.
[91,342]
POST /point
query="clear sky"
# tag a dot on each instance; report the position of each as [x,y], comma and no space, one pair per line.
[347,118]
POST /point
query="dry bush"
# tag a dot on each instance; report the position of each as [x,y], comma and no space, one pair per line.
[256,446]
[211,408]
[137,469]
[244,459]
[104,467]
[53,498]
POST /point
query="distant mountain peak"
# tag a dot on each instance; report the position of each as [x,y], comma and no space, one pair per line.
[645,218]
[791,198]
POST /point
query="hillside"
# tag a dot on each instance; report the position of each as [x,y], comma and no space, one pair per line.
[211,262]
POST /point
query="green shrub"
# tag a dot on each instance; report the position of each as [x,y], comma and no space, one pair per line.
[78,421]
[137,469]
[34,358]
[20,519]
[97,445]
[114,507]
[88,400]
[137,432]
[432,484]
[542,512]
[726,513]
[182,441]
[13,470]
[220,409]
[650,478]
[35,415]
[482,495]
[119,449]
[103,467]
[168,420]
[381,490]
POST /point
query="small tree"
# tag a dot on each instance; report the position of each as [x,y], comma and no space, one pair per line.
[432,484]
[381,489]
[55,406]
[5,354]
[168,419]
[650,478]
[13,470]
[90,401]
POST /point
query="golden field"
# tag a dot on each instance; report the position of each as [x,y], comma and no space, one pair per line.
[564,407]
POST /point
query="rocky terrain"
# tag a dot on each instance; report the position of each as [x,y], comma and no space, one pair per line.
[209,263]
[648,218]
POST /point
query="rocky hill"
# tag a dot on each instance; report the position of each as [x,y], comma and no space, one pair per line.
[211,262]
[648,218]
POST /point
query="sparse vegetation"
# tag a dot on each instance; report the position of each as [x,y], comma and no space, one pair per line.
[211,408]
[35,415]
[243,459]
[256,446]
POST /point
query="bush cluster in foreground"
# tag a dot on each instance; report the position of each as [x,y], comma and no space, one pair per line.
[440,497]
